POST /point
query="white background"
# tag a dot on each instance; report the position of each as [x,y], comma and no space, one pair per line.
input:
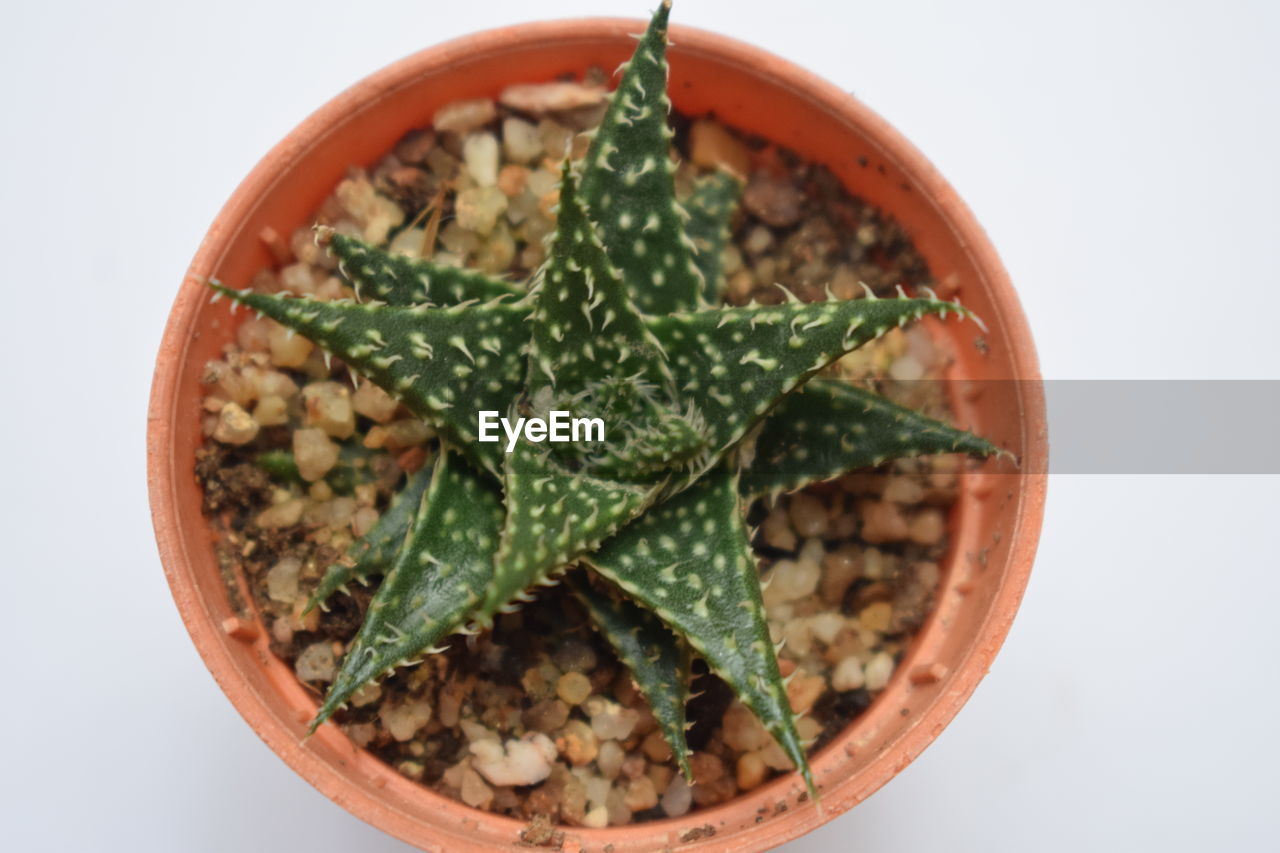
[1123,157]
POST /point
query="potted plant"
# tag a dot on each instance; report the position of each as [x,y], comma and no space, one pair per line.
[688,411]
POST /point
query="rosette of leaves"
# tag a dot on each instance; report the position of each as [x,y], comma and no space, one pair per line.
[706,408]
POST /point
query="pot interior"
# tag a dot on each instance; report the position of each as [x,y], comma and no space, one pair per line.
[993,527]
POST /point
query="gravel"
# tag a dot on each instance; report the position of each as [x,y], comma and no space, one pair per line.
[537,719]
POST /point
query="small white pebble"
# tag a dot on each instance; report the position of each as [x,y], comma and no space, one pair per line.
[272,410]
[825,626]
[611,721]
[374,403]
[235,426]
[609,759]
[328,407]
[287,350]
[847,675]
[480,153]
[316,663]
[520,762]
[777,530]
[597,788]
[678,797]
[597,818]
[520,140]
[478,208]
[474,791]
[314,453]
[363,520]
[792,579]
[284,514]
[407,242]
[475,732]
[878,671]
[282,580]
[403,719]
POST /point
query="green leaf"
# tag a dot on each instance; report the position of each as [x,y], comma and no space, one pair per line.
[439,575]
[834,427]
[689,560]
[553,517]
[659,661]
[377,273]
[739,362]
[444,364]
[627,186]
[585,327]
[373,553]
[711,209]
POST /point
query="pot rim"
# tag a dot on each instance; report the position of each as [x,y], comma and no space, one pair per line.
[210,636]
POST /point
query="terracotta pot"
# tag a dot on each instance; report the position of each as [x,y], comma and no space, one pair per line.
[995,525]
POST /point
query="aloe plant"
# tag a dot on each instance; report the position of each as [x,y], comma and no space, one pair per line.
[702,408]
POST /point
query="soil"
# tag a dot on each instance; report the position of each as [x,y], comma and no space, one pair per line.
[853,563]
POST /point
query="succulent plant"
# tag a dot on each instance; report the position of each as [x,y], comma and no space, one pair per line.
[704,407]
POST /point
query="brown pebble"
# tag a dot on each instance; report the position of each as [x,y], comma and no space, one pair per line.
[741,731]
[775,200]
[512,180]
[573,688]
[712,146]
[546,716]
[882,522]
[655,746]
[714,793]
[462,116]
[540,98]
[578,743]
[707,768]
[412,459]
[641,794]
[808,515]
[804,690]
[415,146]
[751,771]
[876,616]
[928,527]
[841,567]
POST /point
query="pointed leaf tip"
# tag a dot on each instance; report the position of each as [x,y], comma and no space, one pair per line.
[434,584]
[834,427]
[659,661]
[689,561]
[627,183]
